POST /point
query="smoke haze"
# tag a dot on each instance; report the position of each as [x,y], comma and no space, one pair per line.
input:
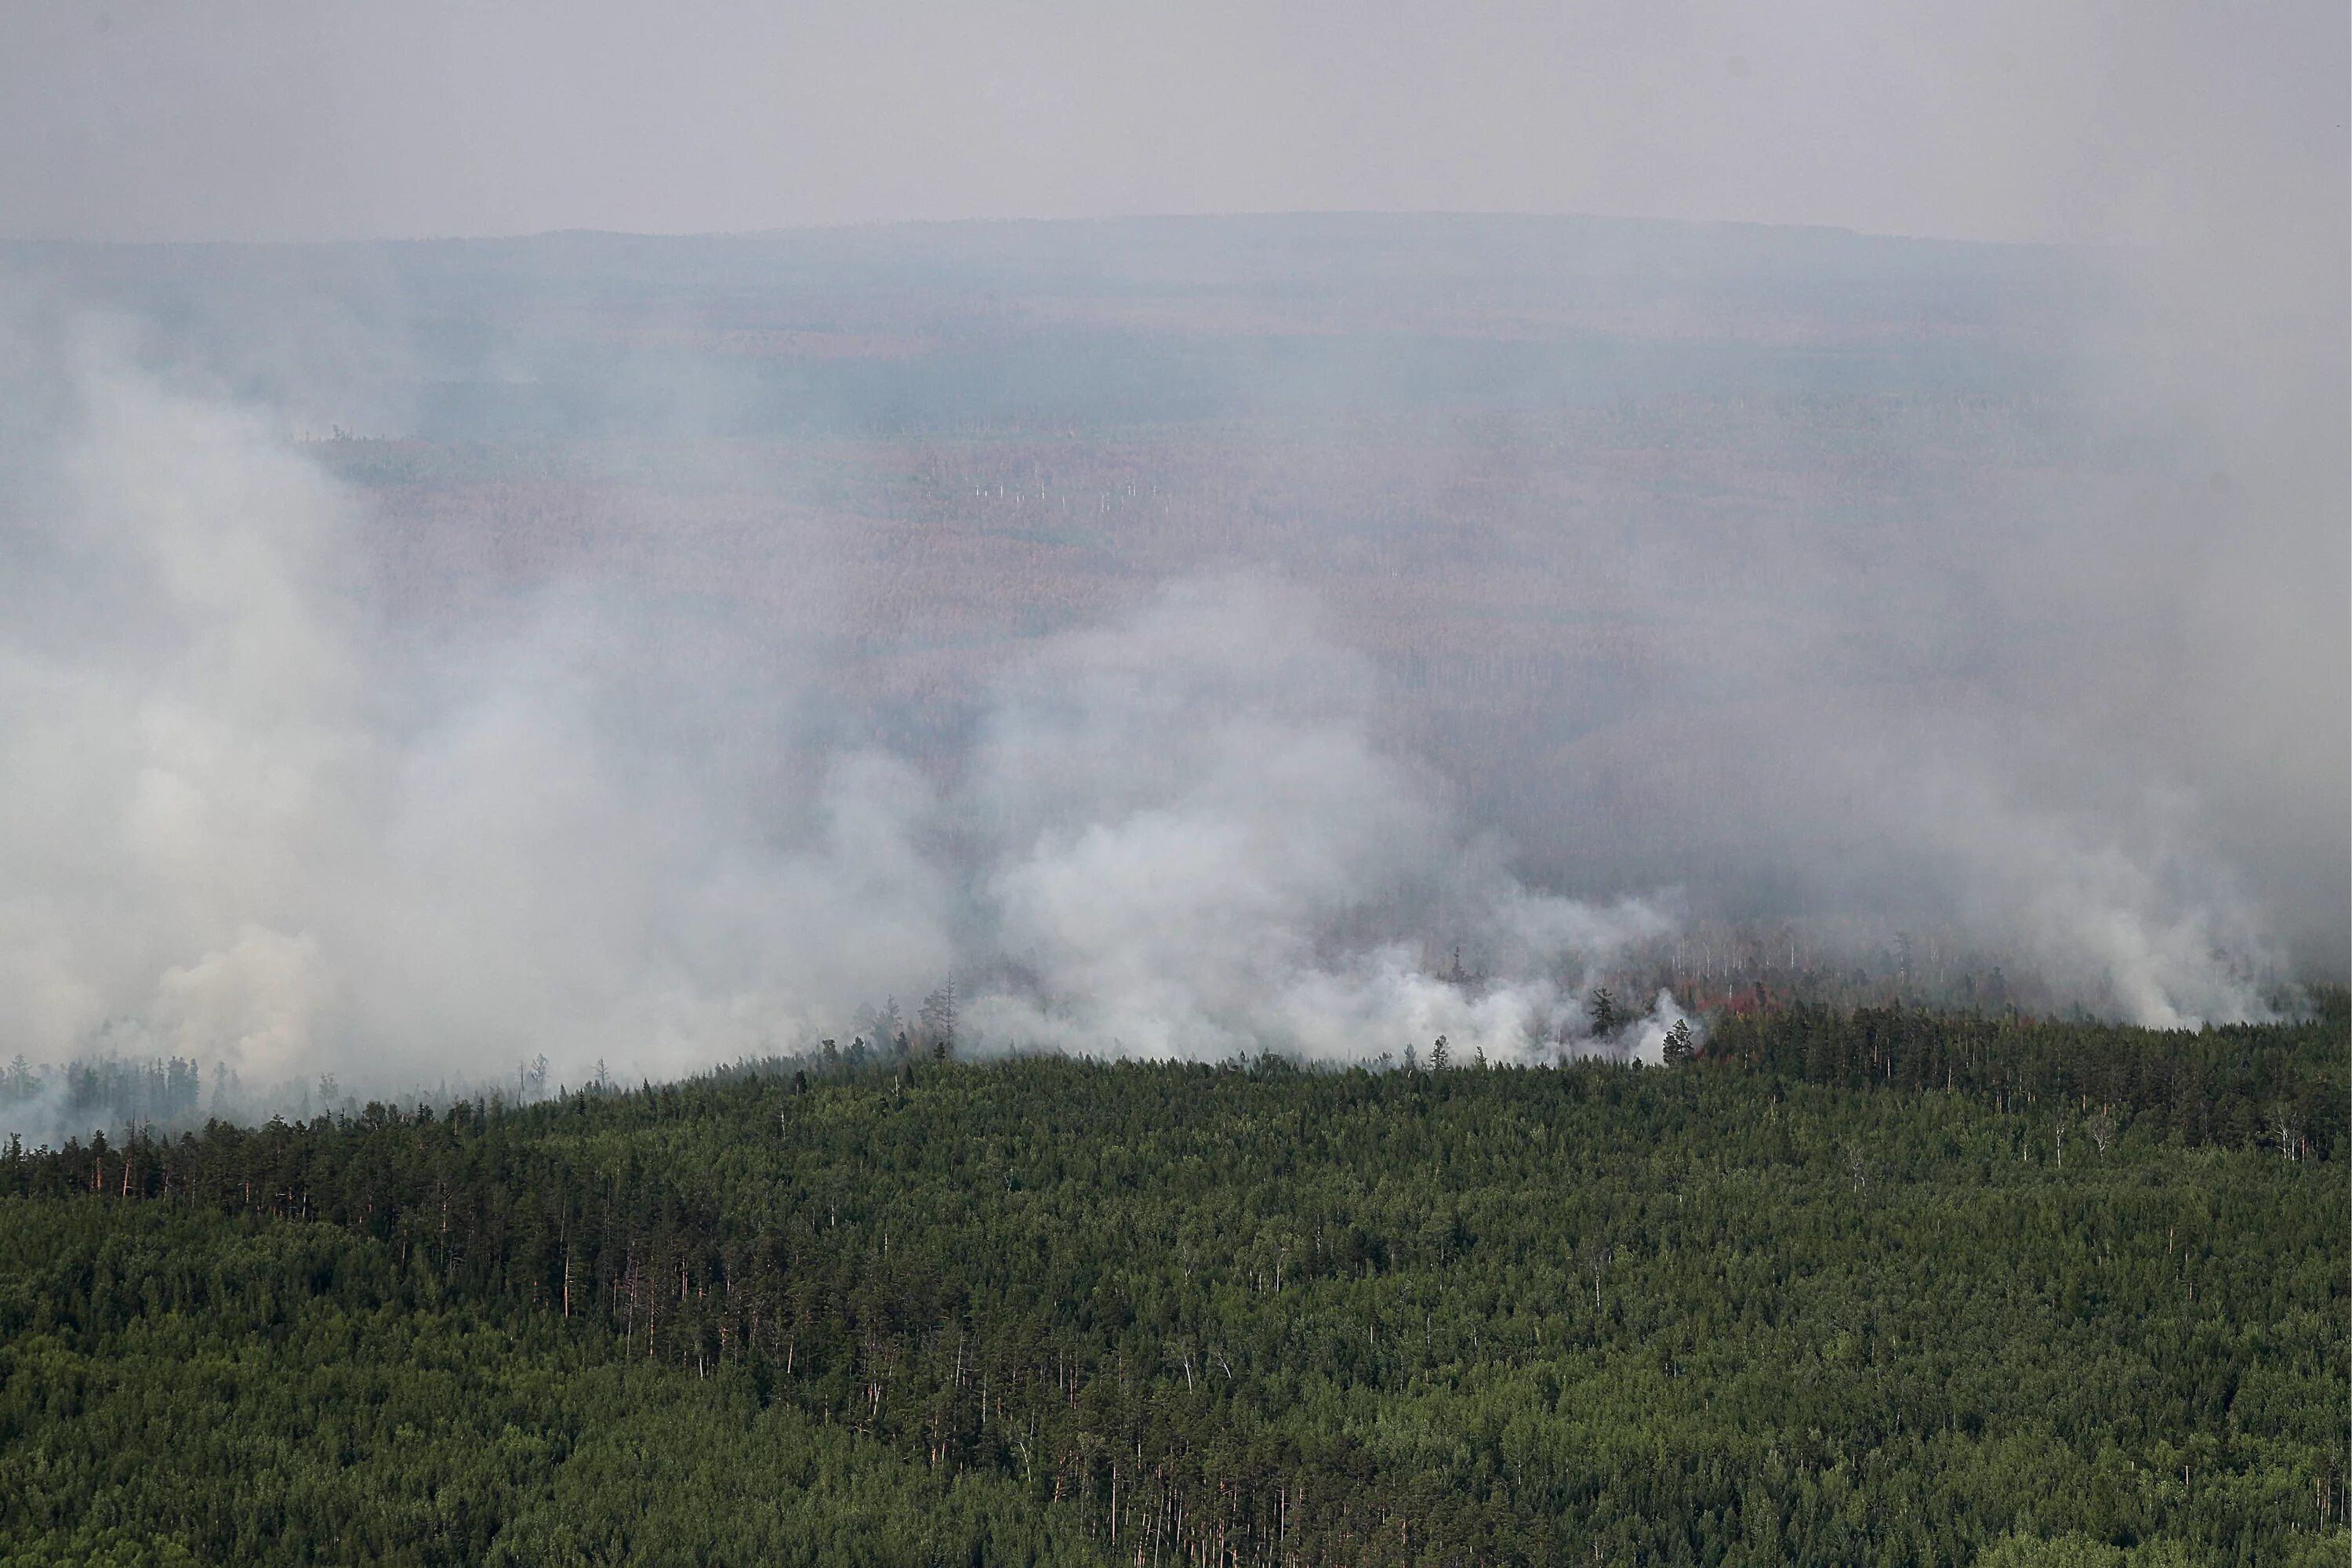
[268,817]
[259,823]
[1187,636]
[2099,121]
[1200,851]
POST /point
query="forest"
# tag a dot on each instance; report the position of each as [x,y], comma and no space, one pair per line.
[1870,1286]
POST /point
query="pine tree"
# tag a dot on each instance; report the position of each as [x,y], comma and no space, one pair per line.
[935,1021]
[1606,1017]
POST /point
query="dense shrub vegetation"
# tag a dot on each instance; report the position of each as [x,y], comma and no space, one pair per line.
[1870,1288]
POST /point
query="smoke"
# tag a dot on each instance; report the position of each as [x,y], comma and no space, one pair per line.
[2129,916]
[2021,841]
[277,803]
[253,821]
[1196,848]
[1842,586]
[259,820]
[1646,1038]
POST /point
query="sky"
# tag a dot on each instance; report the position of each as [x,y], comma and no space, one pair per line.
[2094,120]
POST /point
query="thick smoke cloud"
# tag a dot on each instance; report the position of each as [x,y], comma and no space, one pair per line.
[1994,596]
[252,821]
[259,821]
[272,809]
[1196,848]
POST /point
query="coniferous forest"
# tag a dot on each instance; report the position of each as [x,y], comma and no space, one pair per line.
[1876,1287]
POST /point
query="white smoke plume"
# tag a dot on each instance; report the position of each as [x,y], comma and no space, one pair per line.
[255,823]
[1196,848]
[251,821]
[2126,916]
[257,818]
[1645,1039]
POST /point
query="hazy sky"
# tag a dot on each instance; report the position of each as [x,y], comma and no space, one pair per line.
[1985,119]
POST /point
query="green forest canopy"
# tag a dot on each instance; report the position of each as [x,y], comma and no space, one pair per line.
[1880,1287]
